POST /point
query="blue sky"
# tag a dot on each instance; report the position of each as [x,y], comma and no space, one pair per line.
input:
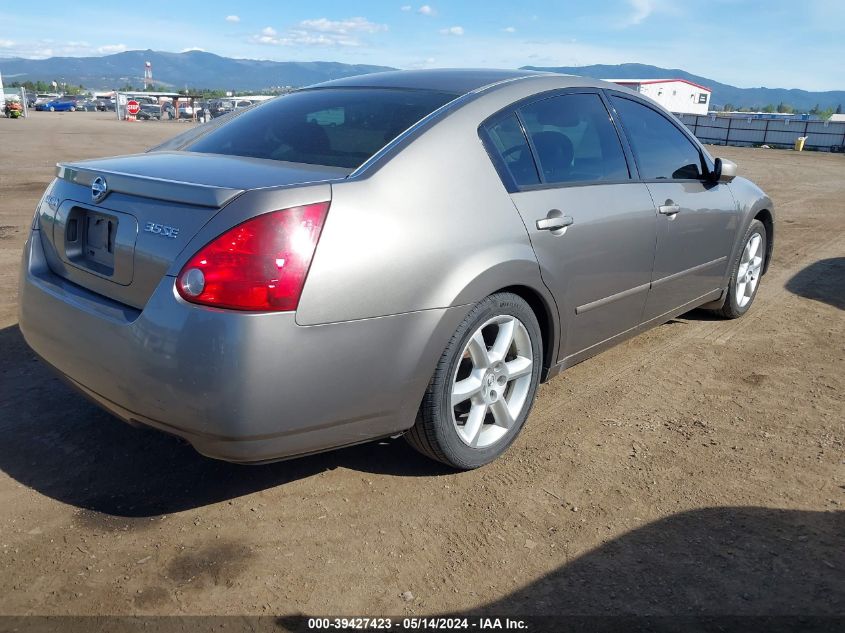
[745,43]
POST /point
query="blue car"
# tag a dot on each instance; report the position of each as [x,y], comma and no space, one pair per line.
[62,104]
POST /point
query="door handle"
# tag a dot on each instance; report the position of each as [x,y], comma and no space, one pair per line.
[554,223]
[669,209]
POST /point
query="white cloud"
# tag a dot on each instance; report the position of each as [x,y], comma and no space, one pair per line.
[426,10]
[321,32]
[109,49]
[192,48]
[342,27]
[405,8]
[641,10]
[509,29]
[428,62]
[234,19]
[453,30]
[47,47]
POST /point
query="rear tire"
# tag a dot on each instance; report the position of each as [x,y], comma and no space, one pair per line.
[483,387]
[746,272]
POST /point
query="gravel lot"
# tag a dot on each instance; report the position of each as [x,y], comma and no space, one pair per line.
[696,469]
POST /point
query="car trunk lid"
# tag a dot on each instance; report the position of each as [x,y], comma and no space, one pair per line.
[115,225]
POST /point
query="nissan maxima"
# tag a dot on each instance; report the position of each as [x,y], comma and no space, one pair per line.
[397,253]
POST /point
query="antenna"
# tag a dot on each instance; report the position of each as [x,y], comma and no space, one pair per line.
[148,75]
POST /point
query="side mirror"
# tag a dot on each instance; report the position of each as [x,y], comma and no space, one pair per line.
[724,170]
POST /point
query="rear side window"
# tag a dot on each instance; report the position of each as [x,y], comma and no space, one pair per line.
[574,139]
[510,143]
[662,151]
[333,126]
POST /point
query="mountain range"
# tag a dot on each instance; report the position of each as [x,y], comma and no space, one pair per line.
[200,69]
[191,69]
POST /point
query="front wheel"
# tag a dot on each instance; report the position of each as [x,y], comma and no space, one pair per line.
[52,109]
[747,270]
[483,387]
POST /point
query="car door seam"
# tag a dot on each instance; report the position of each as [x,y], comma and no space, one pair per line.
[688,271]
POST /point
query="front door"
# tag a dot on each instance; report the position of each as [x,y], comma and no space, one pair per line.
[696,218]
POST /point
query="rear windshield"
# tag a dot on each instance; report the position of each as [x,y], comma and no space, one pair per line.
[331,126]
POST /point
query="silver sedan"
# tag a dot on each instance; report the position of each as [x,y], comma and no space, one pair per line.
[402,252]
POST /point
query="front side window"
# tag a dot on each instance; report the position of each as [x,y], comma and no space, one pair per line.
[574,139]
[662,151]
[510,143]
[337,127]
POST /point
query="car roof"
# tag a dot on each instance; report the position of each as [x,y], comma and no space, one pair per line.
[455,80]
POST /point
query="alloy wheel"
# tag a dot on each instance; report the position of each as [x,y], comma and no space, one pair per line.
[492,381]
[750,267]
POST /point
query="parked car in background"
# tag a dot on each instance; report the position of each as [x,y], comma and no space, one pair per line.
[68,103]
[219,107]
[150,111]
[186,110]
[42,98]
[86,105]
[402,252]
[104,105]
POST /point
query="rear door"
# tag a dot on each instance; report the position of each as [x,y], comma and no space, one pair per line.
[591,225]
[696,218]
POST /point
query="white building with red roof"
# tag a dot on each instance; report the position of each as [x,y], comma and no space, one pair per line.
[676,95]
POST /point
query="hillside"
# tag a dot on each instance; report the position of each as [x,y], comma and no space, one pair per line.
[198,69]
[194,69]
[722,93]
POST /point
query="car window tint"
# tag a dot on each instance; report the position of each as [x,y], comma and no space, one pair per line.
[331,126]
[511,145]
[574,139]
[662,150]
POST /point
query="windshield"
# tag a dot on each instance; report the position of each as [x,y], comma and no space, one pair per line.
[338,127]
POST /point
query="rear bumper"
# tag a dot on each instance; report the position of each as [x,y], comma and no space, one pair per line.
[240,387]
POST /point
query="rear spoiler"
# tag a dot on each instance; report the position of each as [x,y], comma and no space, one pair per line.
[150,187]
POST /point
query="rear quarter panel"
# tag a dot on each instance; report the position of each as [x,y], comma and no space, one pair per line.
[433,227]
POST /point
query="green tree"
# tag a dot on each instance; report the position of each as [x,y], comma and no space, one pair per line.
[839,109]
[769,108]
[785,108]
[728,107]
[825,114]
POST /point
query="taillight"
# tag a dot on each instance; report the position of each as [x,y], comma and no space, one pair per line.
[258,265]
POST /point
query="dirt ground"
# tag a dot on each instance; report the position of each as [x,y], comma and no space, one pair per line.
[696,469]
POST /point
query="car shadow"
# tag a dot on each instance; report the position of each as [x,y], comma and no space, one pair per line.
[713,569]
[822,281]
[63,446]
